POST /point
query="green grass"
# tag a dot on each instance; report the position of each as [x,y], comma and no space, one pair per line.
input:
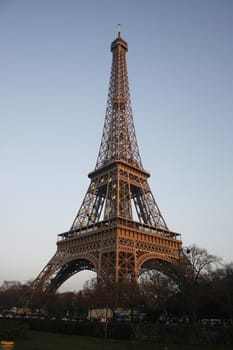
[50,341]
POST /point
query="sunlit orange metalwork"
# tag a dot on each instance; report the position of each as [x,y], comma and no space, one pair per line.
[119,228]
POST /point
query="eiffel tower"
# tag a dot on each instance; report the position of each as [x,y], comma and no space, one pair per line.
[119,228]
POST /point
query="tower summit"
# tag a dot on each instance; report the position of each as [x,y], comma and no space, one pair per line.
[119,227]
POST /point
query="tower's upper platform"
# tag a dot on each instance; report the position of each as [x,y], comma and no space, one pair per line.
[119,43]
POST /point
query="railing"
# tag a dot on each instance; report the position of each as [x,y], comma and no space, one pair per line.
[110,224]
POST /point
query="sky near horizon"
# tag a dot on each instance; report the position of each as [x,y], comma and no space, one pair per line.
[54,73]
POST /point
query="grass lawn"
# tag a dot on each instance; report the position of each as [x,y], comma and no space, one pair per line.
[50,341]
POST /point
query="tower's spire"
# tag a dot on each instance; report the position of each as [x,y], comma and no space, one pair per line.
[119,30]
[119,139]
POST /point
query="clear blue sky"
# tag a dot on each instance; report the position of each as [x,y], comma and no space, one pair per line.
[54,72]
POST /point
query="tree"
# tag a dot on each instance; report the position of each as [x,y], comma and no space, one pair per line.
[129,296]
[195,273]
[156,289]
[11,293]
[222,282]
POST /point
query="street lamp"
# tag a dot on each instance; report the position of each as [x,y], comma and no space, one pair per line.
[183,262]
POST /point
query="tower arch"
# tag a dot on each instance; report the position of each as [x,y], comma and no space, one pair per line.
[148,260]
[61,268]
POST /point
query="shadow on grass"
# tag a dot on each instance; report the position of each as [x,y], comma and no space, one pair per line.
[50,341]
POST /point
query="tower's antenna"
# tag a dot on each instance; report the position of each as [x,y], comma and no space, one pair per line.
[119,30]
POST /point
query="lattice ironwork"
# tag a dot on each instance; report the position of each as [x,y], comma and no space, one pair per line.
[119,226]
[119,139]
[119,184]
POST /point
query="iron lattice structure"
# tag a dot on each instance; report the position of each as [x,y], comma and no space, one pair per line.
[119,228]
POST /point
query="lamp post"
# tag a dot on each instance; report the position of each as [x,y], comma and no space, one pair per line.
[183,260]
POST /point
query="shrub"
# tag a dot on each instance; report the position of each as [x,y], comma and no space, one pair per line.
[11,329]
